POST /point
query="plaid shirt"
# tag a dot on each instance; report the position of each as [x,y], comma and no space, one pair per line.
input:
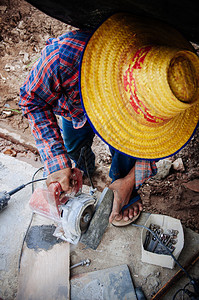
[52,88]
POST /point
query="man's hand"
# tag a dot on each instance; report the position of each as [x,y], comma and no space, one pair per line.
[122,189]
[63,177]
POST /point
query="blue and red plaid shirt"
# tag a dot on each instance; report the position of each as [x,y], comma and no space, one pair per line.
[52,88]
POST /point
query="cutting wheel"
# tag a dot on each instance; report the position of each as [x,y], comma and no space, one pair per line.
[86,217]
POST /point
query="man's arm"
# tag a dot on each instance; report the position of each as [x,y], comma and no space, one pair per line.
[38,95]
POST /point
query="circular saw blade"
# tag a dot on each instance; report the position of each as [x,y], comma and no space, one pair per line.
[86,217]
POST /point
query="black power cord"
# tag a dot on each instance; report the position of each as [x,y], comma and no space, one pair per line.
[24,238]
[5,196]
[193,295]
[78,165]
[33,177]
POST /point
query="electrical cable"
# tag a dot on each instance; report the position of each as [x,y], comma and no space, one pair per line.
[33,177]
[192,295]
[88,174]
[177,293]
[82,154]
[36,180]
[24,238]
[23,186]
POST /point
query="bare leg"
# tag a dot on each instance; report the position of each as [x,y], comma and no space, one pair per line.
[123,189]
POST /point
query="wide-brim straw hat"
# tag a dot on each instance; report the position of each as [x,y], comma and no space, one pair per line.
[139,85]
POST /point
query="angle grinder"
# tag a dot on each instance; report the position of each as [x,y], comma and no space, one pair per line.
[72,212]
[76,214]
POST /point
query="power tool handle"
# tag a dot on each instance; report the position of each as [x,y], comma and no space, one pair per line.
[5,196]
[76,178]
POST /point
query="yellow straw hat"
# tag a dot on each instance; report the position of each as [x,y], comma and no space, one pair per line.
[140,86]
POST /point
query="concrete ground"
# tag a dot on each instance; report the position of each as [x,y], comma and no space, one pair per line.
[119,245]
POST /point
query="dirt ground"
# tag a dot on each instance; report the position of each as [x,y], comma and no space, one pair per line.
[23,32]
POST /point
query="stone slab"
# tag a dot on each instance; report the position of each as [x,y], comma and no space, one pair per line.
[100,220]
[112,283]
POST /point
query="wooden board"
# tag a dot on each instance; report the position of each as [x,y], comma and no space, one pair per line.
[44,268]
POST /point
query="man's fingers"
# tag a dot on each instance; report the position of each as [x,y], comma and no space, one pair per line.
[63,177]
[65,184]
[48,181]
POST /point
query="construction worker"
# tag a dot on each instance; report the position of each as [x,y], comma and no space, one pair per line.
[125,82]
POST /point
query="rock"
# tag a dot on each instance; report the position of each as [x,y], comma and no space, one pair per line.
[3,78]
[2,48]
[7,113]
[192,185]
[21,25]
[7,105]
[10,152]
[9,68]
[163,168]
[26,59]
[178,165]
[15,35]
[3,8]
[23,36]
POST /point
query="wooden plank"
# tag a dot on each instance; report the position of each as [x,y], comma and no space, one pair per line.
[44,271]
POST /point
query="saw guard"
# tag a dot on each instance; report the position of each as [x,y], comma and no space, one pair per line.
[47,201]
[71,215]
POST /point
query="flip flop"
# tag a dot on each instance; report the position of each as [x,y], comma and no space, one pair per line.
[125,223]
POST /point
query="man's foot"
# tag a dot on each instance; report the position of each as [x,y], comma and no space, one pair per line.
[129,214]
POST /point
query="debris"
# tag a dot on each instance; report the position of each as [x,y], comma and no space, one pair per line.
[7,110]
[21,25]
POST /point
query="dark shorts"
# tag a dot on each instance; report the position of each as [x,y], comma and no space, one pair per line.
[77,139]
